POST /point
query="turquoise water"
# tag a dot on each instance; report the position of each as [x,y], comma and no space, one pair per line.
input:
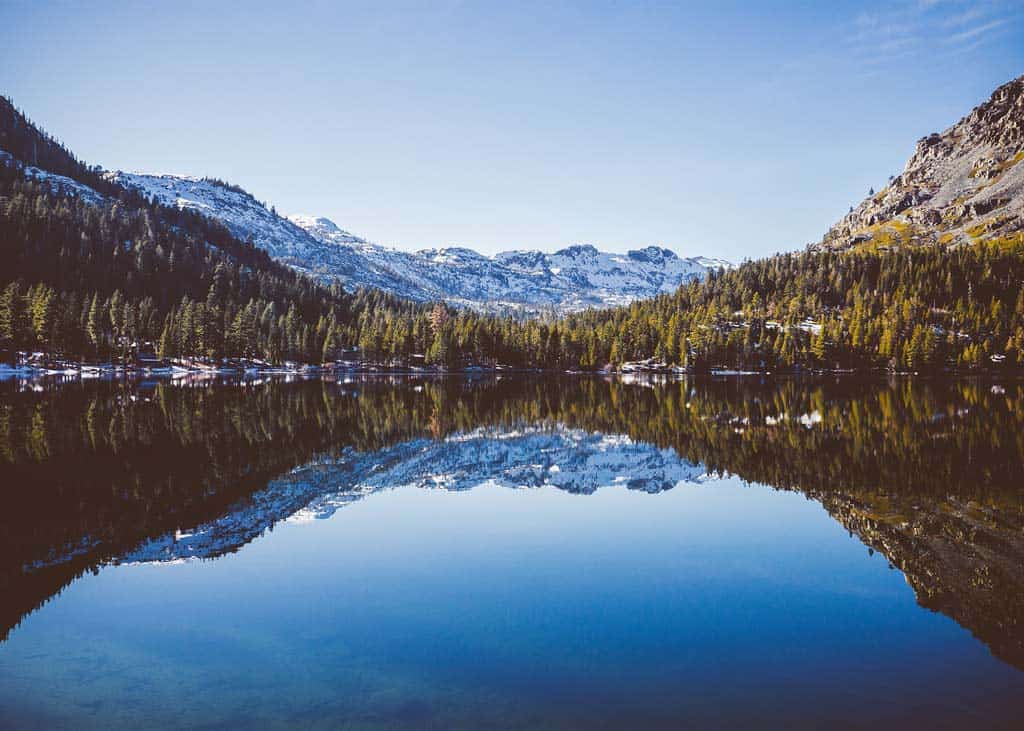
[716,603]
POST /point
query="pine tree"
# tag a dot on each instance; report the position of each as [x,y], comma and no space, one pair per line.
[11,319]
[41,309]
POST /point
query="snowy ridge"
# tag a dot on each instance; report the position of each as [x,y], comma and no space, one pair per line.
[530,282]
[572,460]
[243,215]
[58,183]
[568,280]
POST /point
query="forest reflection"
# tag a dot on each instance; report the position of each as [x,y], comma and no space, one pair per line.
[929,473]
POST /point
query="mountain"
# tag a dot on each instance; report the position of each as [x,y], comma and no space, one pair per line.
[962,186]
[529,282]
[95,271]
[246,218]
[568,280]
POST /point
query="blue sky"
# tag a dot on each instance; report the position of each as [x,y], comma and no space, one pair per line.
[721,128]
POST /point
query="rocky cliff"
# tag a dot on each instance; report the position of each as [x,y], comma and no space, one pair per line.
[961,186]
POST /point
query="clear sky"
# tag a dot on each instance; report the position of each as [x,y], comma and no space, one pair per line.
[719,128]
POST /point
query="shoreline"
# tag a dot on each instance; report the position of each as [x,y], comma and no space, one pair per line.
[109,372]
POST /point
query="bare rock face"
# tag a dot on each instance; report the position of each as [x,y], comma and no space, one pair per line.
[963,186]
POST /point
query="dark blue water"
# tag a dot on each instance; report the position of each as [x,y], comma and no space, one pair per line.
[713,604]
[719,603]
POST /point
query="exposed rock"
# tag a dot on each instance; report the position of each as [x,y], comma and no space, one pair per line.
[962,186]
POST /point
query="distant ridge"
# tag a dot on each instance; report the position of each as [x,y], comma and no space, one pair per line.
[527,282]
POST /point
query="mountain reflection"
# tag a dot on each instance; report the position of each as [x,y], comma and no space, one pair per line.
[930,474]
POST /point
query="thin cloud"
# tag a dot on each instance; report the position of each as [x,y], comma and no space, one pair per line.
[891,45]
[911,28]
[970,33]
[866,20]
[961,19]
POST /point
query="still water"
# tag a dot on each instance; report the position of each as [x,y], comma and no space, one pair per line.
[517,553]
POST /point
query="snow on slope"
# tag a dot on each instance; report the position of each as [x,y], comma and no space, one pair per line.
[527,281]
[569,280]
[243,215]
[57,183]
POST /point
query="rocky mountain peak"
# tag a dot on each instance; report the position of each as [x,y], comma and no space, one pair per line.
[318,222]
[1000,120]
[652,254]
[961,186]
[325,228]
[577,250]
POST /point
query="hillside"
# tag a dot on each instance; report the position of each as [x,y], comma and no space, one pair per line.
[513,282]
[960,187]
[95,271]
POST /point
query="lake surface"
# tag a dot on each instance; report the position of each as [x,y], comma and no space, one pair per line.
[512,553]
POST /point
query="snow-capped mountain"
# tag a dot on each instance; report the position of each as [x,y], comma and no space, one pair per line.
[569,280]
[567,459]
[248,219]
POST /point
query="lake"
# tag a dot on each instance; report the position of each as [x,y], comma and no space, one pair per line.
[514,552]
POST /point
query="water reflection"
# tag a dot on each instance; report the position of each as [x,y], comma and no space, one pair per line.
[929,474]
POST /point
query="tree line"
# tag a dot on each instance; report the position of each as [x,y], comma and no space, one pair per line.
[902,309]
